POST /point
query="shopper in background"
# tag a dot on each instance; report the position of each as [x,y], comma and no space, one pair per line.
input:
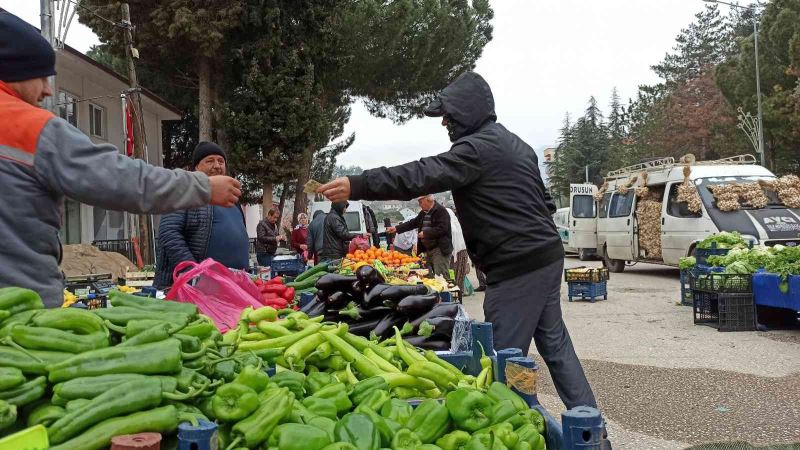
[433,225]
[267,238]
[460,259]
[406,243]
[336,235]
[316,235]
[215,232]
[300,235]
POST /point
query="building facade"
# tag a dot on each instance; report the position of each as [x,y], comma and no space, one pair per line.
[88,95]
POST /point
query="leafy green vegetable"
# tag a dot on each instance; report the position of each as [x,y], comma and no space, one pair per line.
[687,263]
[725,239]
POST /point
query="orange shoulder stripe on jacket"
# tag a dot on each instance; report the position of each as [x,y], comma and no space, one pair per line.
[20,122]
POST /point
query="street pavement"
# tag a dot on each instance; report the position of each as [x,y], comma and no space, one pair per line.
[663,382]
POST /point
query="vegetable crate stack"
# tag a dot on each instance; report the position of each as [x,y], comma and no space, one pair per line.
[147,365]
[723,301]
[587,283]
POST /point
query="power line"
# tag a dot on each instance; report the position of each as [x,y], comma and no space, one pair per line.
[96,14]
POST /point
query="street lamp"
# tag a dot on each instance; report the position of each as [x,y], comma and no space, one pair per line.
[760,147]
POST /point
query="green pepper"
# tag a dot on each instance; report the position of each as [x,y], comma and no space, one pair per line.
[70,319]
[273,329]
[486,441]
[364,365]
[364,388]
[10,377]
[429,421]
[454,440]
[528,433]
[201,328]
[358,430]
[283,341]
[522,445]
[293,436]
[206,406]
[387,428]
[299,413]
[324,407]
[163,419]
[25,393]
[362,343]
[44,414]
[404,379]
[263,313]
[135,327]
[76,404]
[292,380]
[91,387]
[8,414]
[252,377]
[534,417]
[154,358]
[16,299]
[317,380]
[121,315]
[405,440]
[406,393]
[234,401]
[223,370]
[125,398]
[257,427]
[334,362]
[121,299]
[375,400]
[432,371]
[505,411]
[341,446]
[470,409]
[503,431]
[23,318]
[36,338]
[156,333]
[499,391]
[397,410]
[338,393]
[189,344]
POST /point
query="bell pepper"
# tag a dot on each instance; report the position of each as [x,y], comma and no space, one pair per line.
[293,436]
[76,404]
[10,377]
[288,294]
[324,424]
[387,428]
[16,299]
[154,358]
[522,445]
[125,398]
[45,414]
[364,388]
[454,440]
[273,288]
[76,320]
[91,387]
[429,421]
[405,440]
[338,394]
[158,420]
[25,393]
[234,401]
[486,441]
[118,298]
[206,406]
[358,430]
[341,446]
[324,407]
[534,417]
[499,391]
[36,338]
[8,414]
[528,433]
[503,431]
[252,377]
[505,411]
[292,380]
[397,410]
[375,400]
[317,380]
[470,409]
[257,427]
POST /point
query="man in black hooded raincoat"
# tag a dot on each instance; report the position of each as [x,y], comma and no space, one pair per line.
[505,214]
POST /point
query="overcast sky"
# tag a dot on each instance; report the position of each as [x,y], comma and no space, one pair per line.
[547,58]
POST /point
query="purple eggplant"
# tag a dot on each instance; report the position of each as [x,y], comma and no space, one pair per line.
[428,343]
[384,329]
[441,310]
[355,312]
[374,293]
[364,327]
[314,308]
[368,277]
[333,282]
[338,300]
[438,327]
[417,304]
[393,294]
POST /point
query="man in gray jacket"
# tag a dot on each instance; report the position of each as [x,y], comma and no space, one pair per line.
[44,159]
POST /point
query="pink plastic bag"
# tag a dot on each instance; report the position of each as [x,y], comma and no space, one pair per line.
[358,243]
[219,293]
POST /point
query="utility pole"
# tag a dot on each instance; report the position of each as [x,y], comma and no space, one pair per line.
[48,32]
[139,143]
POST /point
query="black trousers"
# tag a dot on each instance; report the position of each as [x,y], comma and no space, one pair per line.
[529,307]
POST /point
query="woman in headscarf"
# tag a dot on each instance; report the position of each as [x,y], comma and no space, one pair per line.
[460,258]
[300,235]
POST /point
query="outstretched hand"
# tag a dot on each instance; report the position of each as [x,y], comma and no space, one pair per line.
[225,191]
[337,190]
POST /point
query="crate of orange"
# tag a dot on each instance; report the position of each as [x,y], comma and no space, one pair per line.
[390,258]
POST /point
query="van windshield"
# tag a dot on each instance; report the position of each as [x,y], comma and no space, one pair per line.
[708,197]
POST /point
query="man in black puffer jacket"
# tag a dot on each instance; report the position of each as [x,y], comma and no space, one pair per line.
[335,236]
[505,214]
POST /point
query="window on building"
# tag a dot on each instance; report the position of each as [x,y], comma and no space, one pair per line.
[621,205]
[97,120]
[68,107]
[582,206]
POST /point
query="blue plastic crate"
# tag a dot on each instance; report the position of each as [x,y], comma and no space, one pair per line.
[766,291]
[586,290]
[702,254]
[686,289]
[293,267]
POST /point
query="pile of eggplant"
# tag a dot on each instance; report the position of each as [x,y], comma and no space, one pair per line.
[373,308]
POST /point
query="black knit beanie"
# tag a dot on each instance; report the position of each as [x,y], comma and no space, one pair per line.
[24,53]
[204,149]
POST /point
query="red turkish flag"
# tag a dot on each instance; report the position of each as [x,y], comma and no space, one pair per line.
[128,128]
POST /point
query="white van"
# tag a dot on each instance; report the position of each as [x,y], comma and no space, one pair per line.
[577,225]
[561,219]
[354,216]
[680,230]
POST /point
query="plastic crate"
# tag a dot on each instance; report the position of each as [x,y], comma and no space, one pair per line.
[686,288]
[294,266]
[724,311]
[581,273]
[721,282]
[702,254]
[587,290]
[767,292]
